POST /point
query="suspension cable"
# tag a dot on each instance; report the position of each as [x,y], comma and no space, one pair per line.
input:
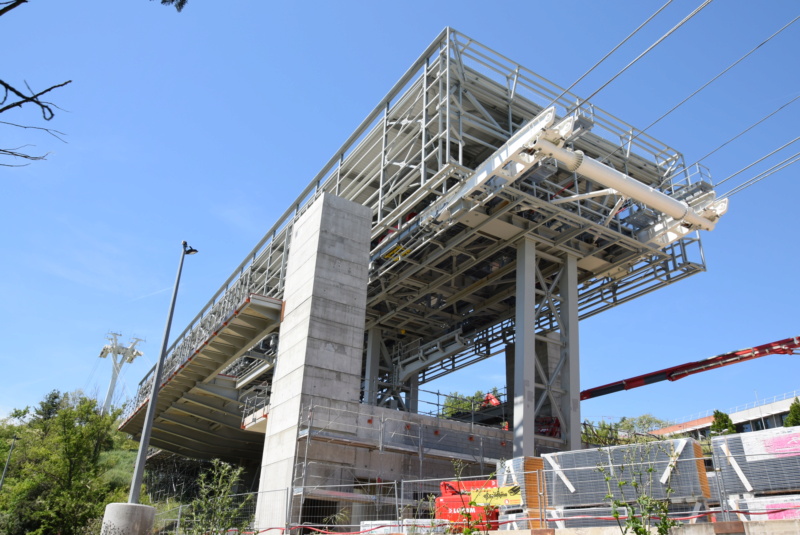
[729,67]
[640,56]
[761,176]
[740,134]
[709,82]
[634,32]
[743,169]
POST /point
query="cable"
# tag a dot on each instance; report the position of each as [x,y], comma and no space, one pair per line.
[91,374]
[740,134]
[761,176]
[584,75]
[682,102]
[729,67]
[640,56]
[743,169]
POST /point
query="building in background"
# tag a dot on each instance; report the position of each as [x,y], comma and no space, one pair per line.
[761,414]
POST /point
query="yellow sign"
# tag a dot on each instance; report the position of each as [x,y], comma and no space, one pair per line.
[396,253]
[497,497]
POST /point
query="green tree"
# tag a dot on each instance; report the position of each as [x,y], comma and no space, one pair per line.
[216,509]
[631,489]
[601,434]
[639,428]
[456,402]
[56,479]
[793,418]
[722,424]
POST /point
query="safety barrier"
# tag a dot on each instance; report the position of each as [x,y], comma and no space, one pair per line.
[372,505]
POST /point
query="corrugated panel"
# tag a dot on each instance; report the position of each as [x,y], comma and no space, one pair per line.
[761,461]
[578,478]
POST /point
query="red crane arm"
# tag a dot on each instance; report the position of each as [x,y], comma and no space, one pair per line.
[789,346]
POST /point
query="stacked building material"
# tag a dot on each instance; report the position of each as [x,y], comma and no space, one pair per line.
[425,526]
[587,517]
[670,469]
[781,507]
[760,461]
[524,474]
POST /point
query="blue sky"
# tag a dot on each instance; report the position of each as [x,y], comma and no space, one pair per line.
[205,125]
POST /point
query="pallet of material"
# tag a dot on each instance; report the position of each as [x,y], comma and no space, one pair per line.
[673,469]
[524,473]
[765,461]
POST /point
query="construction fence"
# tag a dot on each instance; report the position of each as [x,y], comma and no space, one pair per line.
[752,479]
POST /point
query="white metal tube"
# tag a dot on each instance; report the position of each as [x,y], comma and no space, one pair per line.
[577,162]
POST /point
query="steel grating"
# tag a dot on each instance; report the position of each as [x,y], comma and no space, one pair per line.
[668,469]
[765,461]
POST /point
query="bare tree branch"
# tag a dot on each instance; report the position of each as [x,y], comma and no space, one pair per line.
[10,5]
[55,133]
[15,154]
[8,102]
[47,110]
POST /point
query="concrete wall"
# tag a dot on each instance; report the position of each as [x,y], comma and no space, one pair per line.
[322,333]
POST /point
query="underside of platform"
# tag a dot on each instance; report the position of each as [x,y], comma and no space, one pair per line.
[199,410]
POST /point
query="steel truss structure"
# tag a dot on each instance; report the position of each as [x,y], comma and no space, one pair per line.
[443,278]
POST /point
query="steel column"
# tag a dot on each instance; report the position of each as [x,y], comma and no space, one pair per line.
[372,366]
[570,372]
[525,350]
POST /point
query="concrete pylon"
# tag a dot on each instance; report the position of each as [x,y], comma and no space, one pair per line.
[322,336]
[128,519]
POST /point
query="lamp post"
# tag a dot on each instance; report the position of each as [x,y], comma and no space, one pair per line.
[13,441]
[144,441]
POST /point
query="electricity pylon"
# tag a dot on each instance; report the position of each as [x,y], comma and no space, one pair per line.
[119,356]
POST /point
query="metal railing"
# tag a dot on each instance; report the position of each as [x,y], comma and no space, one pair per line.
[739,408]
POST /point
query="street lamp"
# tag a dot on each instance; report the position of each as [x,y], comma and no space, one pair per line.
[144,441]
[13,441]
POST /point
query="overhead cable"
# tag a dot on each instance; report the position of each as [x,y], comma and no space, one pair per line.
[584,75]
[743,169]
[729,67]
[675,28]
[740,134]
[761,176]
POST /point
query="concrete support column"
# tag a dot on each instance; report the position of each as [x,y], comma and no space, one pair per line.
[412,398]
[128,519]
[372,366]
[570,371]
[510,374]
[525,350]
[321,337]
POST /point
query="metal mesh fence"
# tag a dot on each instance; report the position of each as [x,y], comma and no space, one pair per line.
[346,507]
[754,477]
[232,514]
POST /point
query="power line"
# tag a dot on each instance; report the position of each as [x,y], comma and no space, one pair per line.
[640,56]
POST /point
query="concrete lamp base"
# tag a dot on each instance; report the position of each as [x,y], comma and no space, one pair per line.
[128,519]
